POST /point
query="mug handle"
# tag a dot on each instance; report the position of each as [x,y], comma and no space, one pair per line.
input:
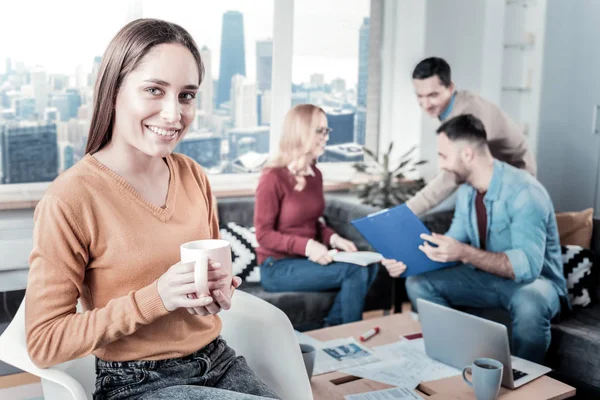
[201,275]
[464,375]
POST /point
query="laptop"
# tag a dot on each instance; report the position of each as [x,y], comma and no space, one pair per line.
[457,338]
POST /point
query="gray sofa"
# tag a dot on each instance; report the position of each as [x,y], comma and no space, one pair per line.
[574,353]
[307,310]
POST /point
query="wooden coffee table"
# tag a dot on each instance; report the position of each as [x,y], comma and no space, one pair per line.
[334,385]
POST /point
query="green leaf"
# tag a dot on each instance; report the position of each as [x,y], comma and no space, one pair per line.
[408,152]
[369,153]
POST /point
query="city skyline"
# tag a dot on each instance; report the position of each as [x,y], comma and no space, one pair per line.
[323,43]
[232,126]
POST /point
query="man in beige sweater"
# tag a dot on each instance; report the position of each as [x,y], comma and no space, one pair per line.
[439,98]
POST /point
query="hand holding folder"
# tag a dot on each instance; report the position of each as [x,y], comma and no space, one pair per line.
[395,233]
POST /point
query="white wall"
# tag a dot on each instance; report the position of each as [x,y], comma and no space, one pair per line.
[570,88]
[455,32]
[403,46]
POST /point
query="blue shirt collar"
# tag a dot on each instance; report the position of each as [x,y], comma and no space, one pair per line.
[448,109]
[493,192]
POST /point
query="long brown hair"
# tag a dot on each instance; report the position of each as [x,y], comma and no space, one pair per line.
[297,140]
[123,55]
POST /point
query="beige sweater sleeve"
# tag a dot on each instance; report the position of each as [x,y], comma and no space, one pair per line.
[55,332]
[436,191]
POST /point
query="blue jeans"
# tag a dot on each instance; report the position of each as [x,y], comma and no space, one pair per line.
[212,373]
[303,275]
[531,305]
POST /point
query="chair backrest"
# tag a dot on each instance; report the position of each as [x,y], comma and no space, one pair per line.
[57,385]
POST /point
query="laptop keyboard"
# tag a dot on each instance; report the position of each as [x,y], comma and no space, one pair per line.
[518,374]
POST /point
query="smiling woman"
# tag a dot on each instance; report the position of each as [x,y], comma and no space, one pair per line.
[108,231]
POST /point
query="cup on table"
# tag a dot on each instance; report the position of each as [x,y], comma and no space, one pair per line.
[487,376]
[309,353]
[200,252]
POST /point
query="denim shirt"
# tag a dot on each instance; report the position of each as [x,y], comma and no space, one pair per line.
[521,224]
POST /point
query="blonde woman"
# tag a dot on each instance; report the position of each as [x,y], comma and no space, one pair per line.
[293,241]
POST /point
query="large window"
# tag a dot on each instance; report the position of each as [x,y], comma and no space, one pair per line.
[330,69]
[47,79]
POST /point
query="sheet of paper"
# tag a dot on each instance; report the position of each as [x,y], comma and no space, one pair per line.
[414,350]
[402,373]
[387,394]
[338,354]
[363,258]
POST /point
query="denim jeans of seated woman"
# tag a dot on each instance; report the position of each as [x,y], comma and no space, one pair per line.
[212,373]
[303,275]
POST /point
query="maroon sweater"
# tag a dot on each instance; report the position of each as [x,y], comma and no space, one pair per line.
[286,219]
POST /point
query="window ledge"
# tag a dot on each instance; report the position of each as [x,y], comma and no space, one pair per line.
[336,177]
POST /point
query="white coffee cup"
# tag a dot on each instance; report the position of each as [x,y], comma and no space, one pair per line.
[199,252]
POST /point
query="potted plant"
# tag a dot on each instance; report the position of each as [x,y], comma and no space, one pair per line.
[387,184]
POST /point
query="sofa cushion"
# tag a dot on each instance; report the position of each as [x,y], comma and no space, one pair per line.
[243,256]
[306,310]
[575,228]
[580,273]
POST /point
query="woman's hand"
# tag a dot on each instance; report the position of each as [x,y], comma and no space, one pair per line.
[174,286]
[395,268]
[316,252]
[338,242]
[219,284]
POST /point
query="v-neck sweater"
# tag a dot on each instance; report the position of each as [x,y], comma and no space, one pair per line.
[99,241]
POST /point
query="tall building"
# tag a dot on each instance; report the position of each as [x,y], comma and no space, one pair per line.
[59,82]
[8,66]
[243,103]
[60,102]
[233,54]
[39,82]
[203,147]
[264,64]
[265,108]
[338,85]
[25,108]
[342,123]
[242,141]
[52,115]
[66,155]
[29,152]
[206,87]
[317,79]
[363,76]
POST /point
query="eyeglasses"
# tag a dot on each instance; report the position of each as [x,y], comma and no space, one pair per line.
[324,131]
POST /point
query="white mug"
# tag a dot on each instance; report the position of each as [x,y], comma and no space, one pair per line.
[199,252]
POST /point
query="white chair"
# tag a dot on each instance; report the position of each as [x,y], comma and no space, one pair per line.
[254,328]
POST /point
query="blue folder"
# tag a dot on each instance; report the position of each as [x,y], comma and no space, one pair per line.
[395,233]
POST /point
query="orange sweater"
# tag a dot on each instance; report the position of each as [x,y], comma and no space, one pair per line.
[97,240]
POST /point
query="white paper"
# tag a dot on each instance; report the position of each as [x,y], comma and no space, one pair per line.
[403,364]
[403,373]
[414,350]
[363,258]
[387,394]
[338,354]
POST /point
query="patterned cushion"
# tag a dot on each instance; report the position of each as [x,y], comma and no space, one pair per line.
[578,267]
[243,257]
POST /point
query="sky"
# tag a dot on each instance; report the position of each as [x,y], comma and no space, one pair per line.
[61,34]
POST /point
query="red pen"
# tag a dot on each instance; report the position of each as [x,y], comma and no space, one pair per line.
[369,334]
